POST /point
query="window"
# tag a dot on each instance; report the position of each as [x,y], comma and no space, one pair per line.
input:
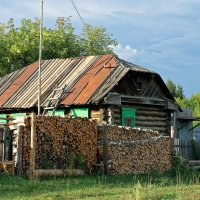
[139,85]
[128,117]
[80,112]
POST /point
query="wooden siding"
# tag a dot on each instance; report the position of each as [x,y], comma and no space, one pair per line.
[154,118]
[99,115]
[139,84]
[114,115]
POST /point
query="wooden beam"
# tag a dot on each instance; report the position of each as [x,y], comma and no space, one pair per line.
[32,148]
[19,151]
[105,147]
[165,103]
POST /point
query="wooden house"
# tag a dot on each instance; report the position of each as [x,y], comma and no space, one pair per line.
[104,88]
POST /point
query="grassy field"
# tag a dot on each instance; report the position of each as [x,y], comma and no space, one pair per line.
[151,186]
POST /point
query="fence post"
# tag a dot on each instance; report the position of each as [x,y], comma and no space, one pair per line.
[19,151]
[105,147]
[32,147]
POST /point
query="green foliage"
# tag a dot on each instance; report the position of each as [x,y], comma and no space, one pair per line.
[196,149]
[75,162]
[95,41]
[193,102]
[80,162]
[70,159]
[183,103]
[20,45]
[179,166]
[176,91]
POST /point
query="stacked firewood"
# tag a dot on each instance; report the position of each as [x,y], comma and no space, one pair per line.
[116,133]
[26,138]
[130,150]
[62,143]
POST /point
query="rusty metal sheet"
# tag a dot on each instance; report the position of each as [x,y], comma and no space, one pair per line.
[55,72]
[7,80]
[17,83]
[88,79]
[83,81]
[95,82]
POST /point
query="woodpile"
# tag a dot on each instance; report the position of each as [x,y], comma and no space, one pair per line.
[117,133]
[61,143]
[26,133]
[130,150]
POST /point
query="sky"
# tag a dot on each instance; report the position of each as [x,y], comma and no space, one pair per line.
[163,36]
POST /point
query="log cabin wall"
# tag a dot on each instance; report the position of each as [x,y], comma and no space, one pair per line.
[154,118]
[147,117]
[99,115]
[145,93]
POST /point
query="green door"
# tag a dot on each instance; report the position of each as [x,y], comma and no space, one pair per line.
[128,117]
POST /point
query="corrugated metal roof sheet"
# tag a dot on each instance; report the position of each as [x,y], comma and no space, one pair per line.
[88,80]
[17,83]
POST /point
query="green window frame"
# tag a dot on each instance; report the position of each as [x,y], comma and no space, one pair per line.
[128,116]
[2,121]
[15,115]
[58,112]
[79,112]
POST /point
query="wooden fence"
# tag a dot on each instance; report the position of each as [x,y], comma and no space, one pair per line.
[183,148]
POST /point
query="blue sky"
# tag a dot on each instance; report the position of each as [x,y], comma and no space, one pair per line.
[163,36]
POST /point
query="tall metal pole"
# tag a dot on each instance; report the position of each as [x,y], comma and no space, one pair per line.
[40,59]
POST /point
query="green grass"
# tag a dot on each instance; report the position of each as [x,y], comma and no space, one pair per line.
[150,186]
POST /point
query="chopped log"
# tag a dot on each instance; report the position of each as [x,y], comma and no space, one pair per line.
[61,142]
[131,150]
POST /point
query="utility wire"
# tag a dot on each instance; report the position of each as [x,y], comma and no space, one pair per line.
[83,22]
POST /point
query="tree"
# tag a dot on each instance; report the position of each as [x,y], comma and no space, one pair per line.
[195,104]
[95,41]
[176,91]
[20,45]
[172,87]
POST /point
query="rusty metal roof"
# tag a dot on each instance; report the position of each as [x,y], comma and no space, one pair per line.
[88,80]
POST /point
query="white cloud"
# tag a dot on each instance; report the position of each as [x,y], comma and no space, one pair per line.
[125,52]
[165,32]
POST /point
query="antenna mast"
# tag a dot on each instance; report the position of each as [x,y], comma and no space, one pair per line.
[40,59]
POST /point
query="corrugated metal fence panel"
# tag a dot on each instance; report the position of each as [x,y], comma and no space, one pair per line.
[183,148]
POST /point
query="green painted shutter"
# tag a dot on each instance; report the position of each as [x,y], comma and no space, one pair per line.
[128,117]
[59,112]
[15,115]
[2,121]
[79,112]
